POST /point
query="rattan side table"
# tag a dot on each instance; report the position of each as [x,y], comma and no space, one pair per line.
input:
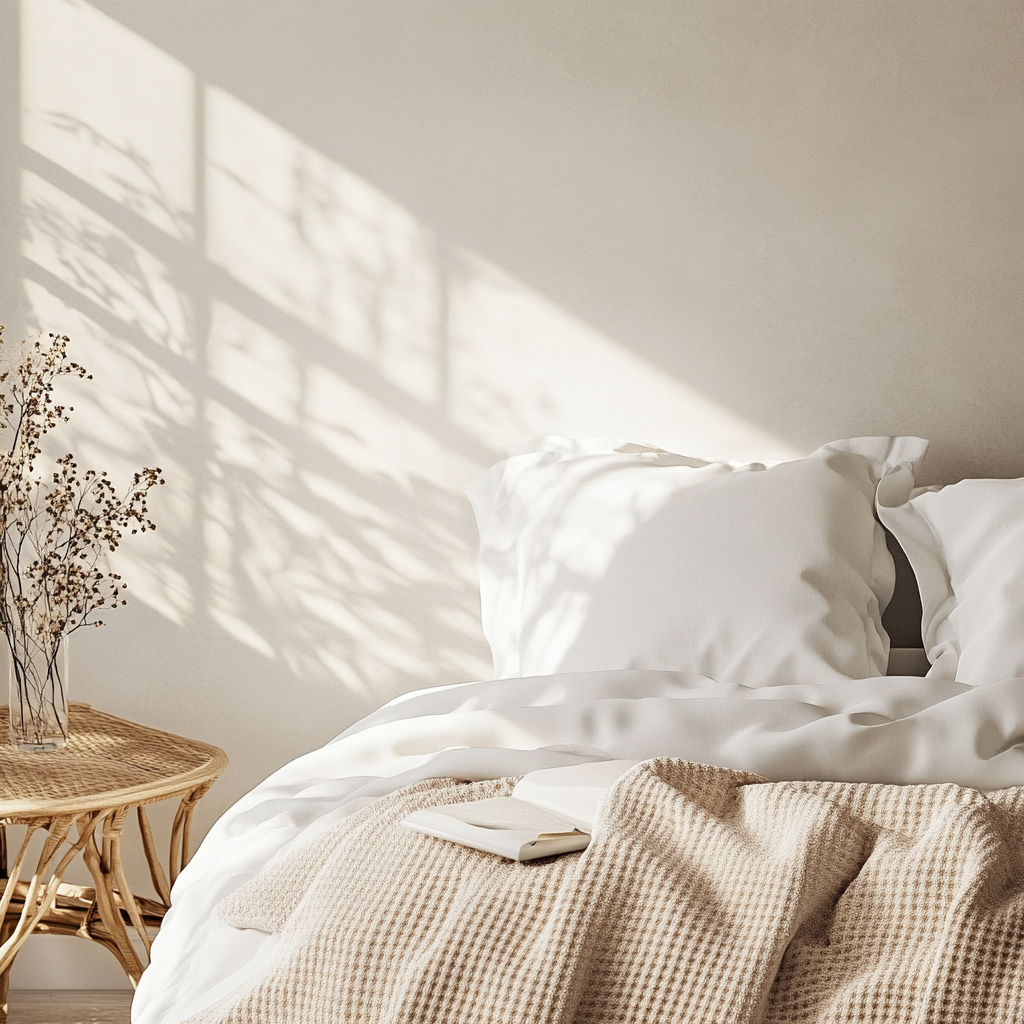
[81,797]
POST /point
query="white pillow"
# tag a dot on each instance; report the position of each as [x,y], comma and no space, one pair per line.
[599,555]
[965,542]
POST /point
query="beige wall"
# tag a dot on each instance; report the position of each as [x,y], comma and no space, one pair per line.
[327,258]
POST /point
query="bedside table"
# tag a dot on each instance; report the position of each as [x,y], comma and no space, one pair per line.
[81,797]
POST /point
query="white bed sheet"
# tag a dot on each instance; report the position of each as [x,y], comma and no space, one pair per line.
[903,730]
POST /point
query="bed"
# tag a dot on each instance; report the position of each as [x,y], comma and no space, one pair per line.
[805,835]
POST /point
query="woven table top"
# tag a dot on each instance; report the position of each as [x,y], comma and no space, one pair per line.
[108,762]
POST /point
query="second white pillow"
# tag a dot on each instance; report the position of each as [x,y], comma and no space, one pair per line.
[966,544]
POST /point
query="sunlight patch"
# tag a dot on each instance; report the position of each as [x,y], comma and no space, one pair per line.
[320,244]
[110,108]
[104,265]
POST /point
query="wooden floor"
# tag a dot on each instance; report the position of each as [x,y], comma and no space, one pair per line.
[68,1006]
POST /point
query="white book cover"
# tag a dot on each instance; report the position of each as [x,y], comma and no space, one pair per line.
[550,811]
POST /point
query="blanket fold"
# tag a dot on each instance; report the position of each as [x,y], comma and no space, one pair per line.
[706,895]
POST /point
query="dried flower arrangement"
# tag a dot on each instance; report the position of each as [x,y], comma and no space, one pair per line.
[54,528]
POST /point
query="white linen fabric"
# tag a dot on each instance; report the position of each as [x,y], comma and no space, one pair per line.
[965,542]
[891,730]
[598,555]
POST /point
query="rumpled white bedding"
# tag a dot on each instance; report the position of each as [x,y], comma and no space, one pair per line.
[888,729]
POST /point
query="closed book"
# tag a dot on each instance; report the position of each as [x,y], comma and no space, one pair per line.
[550,811]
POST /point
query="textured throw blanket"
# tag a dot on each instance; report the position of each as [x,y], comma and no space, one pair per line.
[706,895]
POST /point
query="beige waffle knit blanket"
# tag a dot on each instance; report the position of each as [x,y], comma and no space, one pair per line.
[707,896]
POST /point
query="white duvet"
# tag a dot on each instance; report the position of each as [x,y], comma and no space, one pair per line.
[890,729]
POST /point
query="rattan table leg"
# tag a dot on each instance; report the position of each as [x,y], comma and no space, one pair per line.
[181,828]
[104,864]
[124,890]
[156,870]
[6,930]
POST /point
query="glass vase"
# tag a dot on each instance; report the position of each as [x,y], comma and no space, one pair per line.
[39,697]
